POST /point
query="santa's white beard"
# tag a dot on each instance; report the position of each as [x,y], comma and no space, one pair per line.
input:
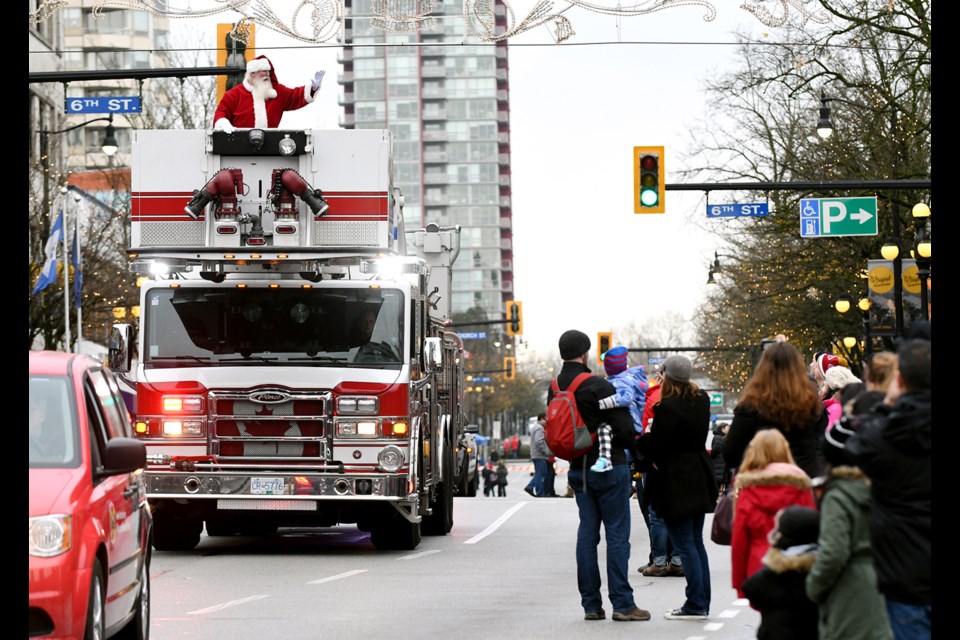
[262,91]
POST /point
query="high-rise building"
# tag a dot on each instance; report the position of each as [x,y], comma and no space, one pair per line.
[446,100]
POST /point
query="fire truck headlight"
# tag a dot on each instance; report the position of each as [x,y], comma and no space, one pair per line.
[358,406]
[390,458]
[369,429]
[182,428]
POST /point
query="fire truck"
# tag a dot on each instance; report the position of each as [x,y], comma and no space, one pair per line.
[293,367]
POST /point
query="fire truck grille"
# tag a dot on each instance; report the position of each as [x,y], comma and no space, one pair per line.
[291,427]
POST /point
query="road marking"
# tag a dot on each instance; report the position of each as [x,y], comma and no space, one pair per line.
[729,613]
[740,602]
[419,555]
[713,626]
[226,605]
[496,525]
[338,576]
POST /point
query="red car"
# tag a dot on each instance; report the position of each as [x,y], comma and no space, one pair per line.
[90,524]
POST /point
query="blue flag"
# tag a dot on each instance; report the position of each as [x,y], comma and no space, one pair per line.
[77,273]
[49,271]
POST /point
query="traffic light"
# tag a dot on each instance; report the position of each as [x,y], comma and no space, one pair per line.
[648,189]
[604,342]
[514,318]
[509,368]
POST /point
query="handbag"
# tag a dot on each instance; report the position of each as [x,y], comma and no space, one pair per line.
[721,531]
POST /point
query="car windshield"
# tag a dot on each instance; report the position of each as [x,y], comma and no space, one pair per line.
[200,326]
[53,435]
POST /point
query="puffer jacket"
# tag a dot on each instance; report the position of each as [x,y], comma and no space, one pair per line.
[777,591]
[843,580]
[893,447]
[631,386]
[760,494]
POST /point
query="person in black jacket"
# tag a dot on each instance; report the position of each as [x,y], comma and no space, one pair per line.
[779,395]
[601,497]
[681,486]
[720,468]
[893,447]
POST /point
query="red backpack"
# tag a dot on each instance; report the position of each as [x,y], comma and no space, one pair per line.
[566,434]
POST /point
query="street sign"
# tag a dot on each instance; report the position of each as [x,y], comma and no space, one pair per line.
[130,104]
[832,217]
[716,398]
[472,335]
[482,379]
[655,361]
[757,209]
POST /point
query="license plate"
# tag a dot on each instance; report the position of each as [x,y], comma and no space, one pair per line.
[266,486]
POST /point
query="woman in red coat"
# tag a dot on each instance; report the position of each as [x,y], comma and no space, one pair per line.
[767,481]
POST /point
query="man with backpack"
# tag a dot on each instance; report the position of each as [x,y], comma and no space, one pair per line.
[601,497]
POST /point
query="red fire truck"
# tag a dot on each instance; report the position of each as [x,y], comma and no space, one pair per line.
[293,365]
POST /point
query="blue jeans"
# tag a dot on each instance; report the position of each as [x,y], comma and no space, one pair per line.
[687,536]
[909,621]
[606,500]
[539,475]
[661,549]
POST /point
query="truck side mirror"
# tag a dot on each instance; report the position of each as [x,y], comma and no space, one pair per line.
[433,354]
[119,351]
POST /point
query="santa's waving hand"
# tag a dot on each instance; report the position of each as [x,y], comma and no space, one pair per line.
[260,101]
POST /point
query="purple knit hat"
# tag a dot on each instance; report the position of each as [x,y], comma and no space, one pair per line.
[615,360]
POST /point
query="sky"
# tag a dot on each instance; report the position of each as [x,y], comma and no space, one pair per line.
[582,258]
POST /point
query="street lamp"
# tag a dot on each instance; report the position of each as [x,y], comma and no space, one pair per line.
[714,270]
[891,248]
[109,146]
[922,251]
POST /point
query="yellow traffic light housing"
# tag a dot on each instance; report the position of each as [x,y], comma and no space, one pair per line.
[604,342]
[514,318]
[509,368]
[648,180]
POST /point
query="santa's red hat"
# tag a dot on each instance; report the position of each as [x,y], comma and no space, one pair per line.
[262,63]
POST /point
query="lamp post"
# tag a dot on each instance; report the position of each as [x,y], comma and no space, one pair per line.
[891,248]
[844,303]
[714,269]
[922,252]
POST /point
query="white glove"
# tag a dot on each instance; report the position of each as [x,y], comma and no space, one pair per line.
[224,125]
[317,79]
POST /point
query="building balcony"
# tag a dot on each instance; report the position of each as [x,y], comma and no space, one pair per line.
[435,178]
[345,55]
[344,77]
[435,114]
[506,286]
[506,222]
[432,51]
[506,244]
[345,98]
[503,116]
[504,180]
[505,202]
[503,159]
[434,136]
[434,199]
[501,52]
[434,157]
[506,265]
[501,75]
[503,137]
[434,92]
[348,120]
[433,71]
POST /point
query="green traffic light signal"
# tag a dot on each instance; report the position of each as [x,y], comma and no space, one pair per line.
[648,180]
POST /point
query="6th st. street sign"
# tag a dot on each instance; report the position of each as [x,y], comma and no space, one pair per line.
[830,217]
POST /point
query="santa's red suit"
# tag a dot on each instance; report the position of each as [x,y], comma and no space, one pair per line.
[241,107]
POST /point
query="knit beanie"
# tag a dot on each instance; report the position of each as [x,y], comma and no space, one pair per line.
[573,344]
[678,368]
[797,525]
[615,360]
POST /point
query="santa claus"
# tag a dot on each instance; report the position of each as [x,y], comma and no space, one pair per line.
[260,101]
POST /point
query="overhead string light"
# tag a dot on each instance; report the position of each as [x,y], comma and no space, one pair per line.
[320,21]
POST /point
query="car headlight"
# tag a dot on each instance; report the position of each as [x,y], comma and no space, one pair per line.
[50,535]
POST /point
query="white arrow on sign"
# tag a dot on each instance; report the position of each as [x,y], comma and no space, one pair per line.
[863,216]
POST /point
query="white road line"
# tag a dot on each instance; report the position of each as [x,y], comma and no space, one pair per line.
[729,613]
[226,605]
[496,525]
[713,626]
[419,555]
[696,637]
[338,576]
[740,602]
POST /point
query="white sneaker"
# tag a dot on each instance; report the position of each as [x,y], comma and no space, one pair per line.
[602,464]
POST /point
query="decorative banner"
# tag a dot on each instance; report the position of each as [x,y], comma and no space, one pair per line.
[880,282]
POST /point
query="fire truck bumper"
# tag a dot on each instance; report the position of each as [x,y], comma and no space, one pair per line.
[233,490]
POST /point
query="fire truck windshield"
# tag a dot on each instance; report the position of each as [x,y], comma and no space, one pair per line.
[202,326]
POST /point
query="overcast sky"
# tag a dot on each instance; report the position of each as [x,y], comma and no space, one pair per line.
[582,258]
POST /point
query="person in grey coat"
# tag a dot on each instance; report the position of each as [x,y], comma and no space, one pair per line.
[843,580]
[539,453]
